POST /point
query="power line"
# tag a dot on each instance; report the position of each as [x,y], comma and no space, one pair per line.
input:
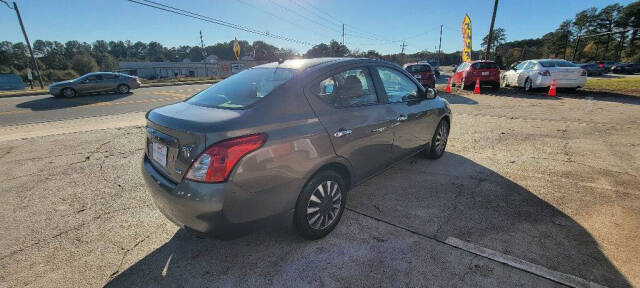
[291,11]
[190,14]
[279,17]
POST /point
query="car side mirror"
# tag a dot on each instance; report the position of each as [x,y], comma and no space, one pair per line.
[430,93]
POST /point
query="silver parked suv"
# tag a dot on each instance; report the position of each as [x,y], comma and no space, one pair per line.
[286,141]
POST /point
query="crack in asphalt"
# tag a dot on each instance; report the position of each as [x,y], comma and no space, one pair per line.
[124,256]
[79,226]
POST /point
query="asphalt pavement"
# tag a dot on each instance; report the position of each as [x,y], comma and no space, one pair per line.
[45,108]
[534,191]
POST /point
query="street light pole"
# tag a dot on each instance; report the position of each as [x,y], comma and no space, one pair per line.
[26,38]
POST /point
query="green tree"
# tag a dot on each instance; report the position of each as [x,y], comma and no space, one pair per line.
[630,18]
[498,37]
[83,64]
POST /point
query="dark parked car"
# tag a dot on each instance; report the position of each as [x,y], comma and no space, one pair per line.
[286,141]
[467,73]
[592,69]
[606,65]
[423,73]
[626,68]
[95,83]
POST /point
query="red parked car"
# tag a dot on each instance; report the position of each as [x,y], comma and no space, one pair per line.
[423,73]
[467,73]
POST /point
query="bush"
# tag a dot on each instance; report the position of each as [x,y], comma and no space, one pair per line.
[84,64]
[58,75]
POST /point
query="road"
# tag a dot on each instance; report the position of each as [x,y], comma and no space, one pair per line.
[531,188]
[45,108]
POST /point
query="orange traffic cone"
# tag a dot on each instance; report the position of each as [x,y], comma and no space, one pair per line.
[477,89]
[552,89]
[448,89]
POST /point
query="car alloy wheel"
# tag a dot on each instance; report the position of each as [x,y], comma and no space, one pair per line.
[123,89]
[324,205]
[441,138]
[528,85]
[68,92]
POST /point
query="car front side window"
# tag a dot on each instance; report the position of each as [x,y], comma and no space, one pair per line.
[350,88]
[398,87]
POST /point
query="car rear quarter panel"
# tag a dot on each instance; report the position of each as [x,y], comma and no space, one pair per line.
[268,181]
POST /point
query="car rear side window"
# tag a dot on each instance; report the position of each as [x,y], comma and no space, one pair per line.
[349,88]
[556,63]
[419,68]
[484,65]
[242,89]
[109,76]
[399,88]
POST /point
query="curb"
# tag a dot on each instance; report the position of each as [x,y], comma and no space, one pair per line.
[46,92]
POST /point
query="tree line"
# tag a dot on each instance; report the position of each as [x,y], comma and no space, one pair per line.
[585,38]
[572,39]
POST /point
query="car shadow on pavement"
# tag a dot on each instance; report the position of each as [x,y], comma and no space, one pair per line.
[458,99]
[450,197]
[52,103]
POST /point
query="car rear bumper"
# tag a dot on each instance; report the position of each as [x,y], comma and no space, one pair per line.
[561,83]
[198,207]
[483,81]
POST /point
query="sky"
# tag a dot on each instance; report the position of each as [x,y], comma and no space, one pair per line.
[380,25]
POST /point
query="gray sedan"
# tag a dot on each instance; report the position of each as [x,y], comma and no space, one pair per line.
[287,141]
[95,83]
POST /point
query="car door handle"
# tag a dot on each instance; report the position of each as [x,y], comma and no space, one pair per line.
[342,132]
[401,118]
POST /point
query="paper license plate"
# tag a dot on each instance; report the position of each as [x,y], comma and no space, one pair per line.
[485,73]
[159,153]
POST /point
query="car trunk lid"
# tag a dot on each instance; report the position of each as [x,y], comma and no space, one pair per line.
[565,73]
[176,135]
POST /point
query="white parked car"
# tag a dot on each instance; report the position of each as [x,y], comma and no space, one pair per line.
[540,73]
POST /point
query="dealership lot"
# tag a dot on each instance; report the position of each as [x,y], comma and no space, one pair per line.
[550,181]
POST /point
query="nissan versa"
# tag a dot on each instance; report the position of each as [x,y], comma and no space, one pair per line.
[286,141]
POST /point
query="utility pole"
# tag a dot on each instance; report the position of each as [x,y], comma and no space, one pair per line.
[204,55]
[342,34]
[26,38]
[440,44]
[493,20]
[402,51]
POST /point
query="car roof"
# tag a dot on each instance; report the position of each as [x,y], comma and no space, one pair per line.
[304,64]
[481,61]
[418,63]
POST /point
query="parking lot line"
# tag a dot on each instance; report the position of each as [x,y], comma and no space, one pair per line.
[559,277]
[541,271]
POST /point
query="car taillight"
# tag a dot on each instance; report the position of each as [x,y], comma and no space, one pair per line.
[583,72]
[601,65]
[545,73]
[215,163]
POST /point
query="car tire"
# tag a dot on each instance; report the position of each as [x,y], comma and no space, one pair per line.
[438,141]
[123,89]
[528,85]
[68,92]
[326,209]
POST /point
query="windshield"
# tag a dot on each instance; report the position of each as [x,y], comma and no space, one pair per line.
[556,63]
[242,89]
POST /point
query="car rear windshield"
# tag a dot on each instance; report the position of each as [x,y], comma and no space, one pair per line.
[242,89]
[556,63]
[484,65]
[419,68]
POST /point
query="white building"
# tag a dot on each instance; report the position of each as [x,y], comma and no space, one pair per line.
[186,68]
